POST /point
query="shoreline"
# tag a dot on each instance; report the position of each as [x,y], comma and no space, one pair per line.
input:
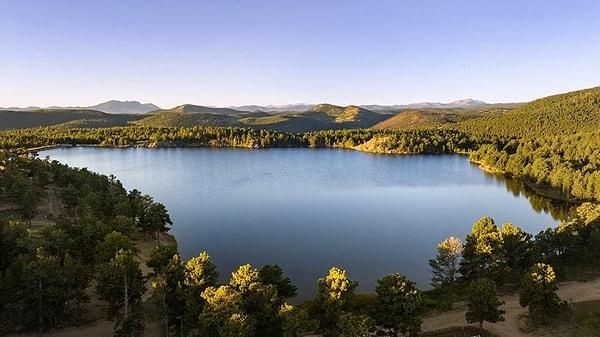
[551,193]
[48,147]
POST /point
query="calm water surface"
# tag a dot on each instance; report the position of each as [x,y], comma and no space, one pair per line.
[308,210]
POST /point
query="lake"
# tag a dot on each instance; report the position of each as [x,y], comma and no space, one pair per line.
[310,209]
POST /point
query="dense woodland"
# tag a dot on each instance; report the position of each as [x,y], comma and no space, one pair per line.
[46,272]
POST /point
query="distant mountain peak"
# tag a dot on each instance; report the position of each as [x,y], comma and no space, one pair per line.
[127,107]
[468,102]
[463,103]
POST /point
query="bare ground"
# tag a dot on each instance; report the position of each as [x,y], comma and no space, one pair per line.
[48,208]
[515,324]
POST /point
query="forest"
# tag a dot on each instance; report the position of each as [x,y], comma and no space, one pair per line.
[46,272]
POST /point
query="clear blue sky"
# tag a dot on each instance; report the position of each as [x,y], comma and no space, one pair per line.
[225,52]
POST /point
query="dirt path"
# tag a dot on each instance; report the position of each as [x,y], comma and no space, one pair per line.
[48,208]
[514,324]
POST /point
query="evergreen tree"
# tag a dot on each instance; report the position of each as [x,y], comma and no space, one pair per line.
[273,274]
[483,303]
[445,266]
[336,292]
[538,291]
[121,285]
[399,305]
[200,273]
[482,251]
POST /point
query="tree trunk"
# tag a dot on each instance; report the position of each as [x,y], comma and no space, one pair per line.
[450,288]
[481,327]
[164,303]
[126,297]
[40,317]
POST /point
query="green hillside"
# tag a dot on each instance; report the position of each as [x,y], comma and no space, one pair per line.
[62,117]
[413,119]
[563,114]
[189,108]
[322,117]
[435,117]
[181,119]
[349,114]
[294,122]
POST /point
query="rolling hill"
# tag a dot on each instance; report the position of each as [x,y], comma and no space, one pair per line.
[182,119]
[350,116]
[62,117]
[566,113]
[190,108]
[426,118]
[320,117]
[416,119]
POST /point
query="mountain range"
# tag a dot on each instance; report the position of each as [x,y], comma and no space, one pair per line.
[299,117]
[463,103]
[562,113]
[112,106]
[135,107]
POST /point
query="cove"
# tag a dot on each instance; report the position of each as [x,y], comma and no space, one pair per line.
[310,209]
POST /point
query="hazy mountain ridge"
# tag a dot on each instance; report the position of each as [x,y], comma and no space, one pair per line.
[112,106]
[276,108]
[134,107]
[463,103]
[10,119]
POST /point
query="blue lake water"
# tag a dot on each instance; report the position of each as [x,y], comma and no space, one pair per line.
[308,210]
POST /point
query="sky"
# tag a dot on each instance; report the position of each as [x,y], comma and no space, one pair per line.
[227,52]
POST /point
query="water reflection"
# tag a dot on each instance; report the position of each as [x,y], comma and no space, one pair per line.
[560,210]
[308,210]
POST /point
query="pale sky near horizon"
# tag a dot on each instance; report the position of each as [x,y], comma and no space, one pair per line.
[225,53]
